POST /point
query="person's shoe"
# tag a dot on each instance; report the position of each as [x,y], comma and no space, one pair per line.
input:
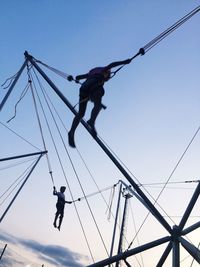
[59,228]
[71,140]
[54,224]
[93,130]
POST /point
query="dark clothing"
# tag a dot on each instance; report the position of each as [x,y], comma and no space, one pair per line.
[92,89]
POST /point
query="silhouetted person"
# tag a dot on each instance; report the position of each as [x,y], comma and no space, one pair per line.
[92,89]
[60,205]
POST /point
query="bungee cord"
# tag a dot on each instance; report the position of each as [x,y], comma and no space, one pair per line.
[78,179]
[142,51]
[61,164]
[40,128]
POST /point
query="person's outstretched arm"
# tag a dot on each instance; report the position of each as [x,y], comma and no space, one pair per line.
[54,191]
[82,76]
[118,63]
[68,202]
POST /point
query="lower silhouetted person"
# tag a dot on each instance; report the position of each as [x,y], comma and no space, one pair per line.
[60,205]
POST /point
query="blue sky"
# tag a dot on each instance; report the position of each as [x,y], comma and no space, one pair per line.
[152,114]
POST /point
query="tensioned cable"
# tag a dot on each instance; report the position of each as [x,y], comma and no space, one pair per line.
[139,184]
[21,137]
[99,191]
[64,174]
[172,28]
[78,179]
[15,164]
[19,180]
[135,229]
[142,50]
[155,200]
[40,127]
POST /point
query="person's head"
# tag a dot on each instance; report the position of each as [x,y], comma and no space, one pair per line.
[106,74]
[62,189]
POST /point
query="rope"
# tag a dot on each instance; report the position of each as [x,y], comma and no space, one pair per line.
[40,127]
[19,180]
[21,137]
[61,165]
[21,97]
[142,50]
[10,79]
[172,28]
[60,73]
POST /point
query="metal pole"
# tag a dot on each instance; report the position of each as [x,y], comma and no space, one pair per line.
[131,252]
[13,84]
[190,207]
[127,196]
[5,212]
[176,254]
[190,228]
[24,155]
[165,255]
[3,251]
[191,249]
[153,210]
[116,218]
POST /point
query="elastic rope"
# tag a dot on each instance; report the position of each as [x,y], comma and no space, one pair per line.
[61,165]
[49,100]
[41,131]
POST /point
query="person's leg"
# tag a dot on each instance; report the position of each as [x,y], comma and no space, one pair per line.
[96,98]
[60,219]
[77,119]
[56,217]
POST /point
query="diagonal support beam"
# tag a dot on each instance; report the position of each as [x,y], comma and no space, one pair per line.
[190,228]
[189,208]
[22,185]
[165,254]
[131,252]
[191,249]
[24,156]
[156,213]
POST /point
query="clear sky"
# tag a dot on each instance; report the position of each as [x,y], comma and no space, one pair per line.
[152,115]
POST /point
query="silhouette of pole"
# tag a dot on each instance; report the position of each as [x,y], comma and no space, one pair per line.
[127,196]
[3,251]
[23,156]
[116,218]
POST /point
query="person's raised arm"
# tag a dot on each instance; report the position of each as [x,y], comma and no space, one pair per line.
[118,63]
[82,76]
[54,191]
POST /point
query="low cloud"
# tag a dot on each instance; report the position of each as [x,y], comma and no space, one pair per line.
[53,254]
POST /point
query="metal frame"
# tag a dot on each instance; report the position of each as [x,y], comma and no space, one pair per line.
[176,232]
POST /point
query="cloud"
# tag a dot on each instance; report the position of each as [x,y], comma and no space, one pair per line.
[53,254]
